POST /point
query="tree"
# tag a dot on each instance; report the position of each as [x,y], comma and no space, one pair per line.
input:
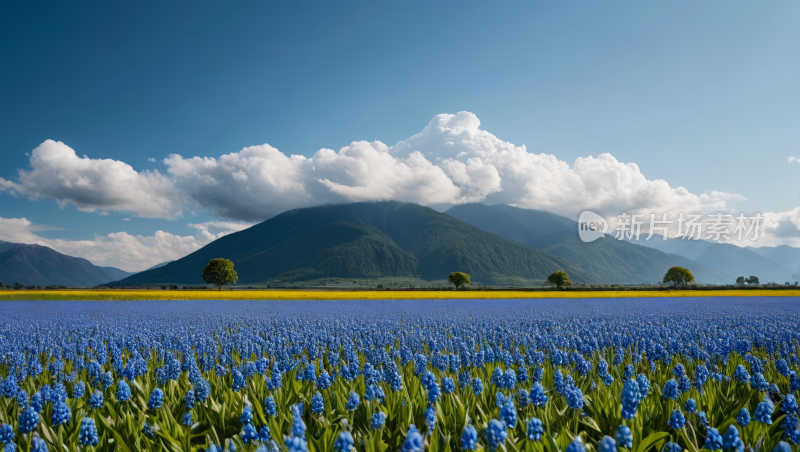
[459,279]
[752,280]
[678,276]
[740,280]
[220,272]
[559,279]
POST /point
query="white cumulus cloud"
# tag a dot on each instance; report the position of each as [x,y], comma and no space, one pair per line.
[794,159]
[94,185]
[451,161]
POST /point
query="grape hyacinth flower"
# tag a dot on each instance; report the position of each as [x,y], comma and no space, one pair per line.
[298,428]
[731,440]
[758,382]
[430,418]
[147,430]
[789,405]
[496,434]
[469,438]
[123,391]
[671,389]
[344,442]
[684,384]
[509,413]
[740,374]
[317,404]
[296,444]
[538,397]
[690,406]
[624,436]
[6,434]
[477,386]
[743,417]
[433,392]
[644,386]
[96,400]
[448,386]
[607,444]
[574,397]
[36,402]
[353,401]
[156,399]
[247,415]
[535,429]
[263,434]
[630,398]
[38,444]
[88,434]
[677,420]
[576,446]
[763,413]
[78,390]
[413,441]
[269,406]
[701,419]
[28,420]
[61,413]
[378,420]
[524,398]
[249,434]
[713,439]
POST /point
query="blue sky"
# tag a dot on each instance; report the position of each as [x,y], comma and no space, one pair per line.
[704,95]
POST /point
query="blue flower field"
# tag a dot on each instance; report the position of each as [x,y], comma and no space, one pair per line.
[452,375]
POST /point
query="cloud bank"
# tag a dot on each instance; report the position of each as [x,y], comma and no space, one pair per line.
[120,249]
[450,161]
[92,185]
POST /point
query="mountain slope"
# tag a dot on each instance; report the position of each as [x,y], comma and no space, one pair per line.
[36,265]
[363,240]
[115,274]
[786,255]
[158,265]
[609,260]
[5,246]
[726,258]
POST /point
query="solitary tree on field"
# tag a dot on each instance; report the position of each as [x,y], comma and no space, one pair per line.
[678,276]
[459,279]
[752,280]
[559,279]
[740,280]
[220,272]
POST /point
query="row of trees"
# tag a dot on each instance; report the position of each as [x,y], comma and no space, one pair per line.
[220,272]
[675,276]
[751,280]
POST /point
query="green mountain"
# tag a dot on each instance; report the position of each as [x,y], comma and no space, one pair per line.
[607,259]
[364,240]
[36,265]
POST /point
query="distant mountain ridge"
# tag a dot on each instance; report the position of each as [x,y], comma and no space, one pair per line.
[726,258]
[785,255]
[364,240]
[609,260]
[36,265]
